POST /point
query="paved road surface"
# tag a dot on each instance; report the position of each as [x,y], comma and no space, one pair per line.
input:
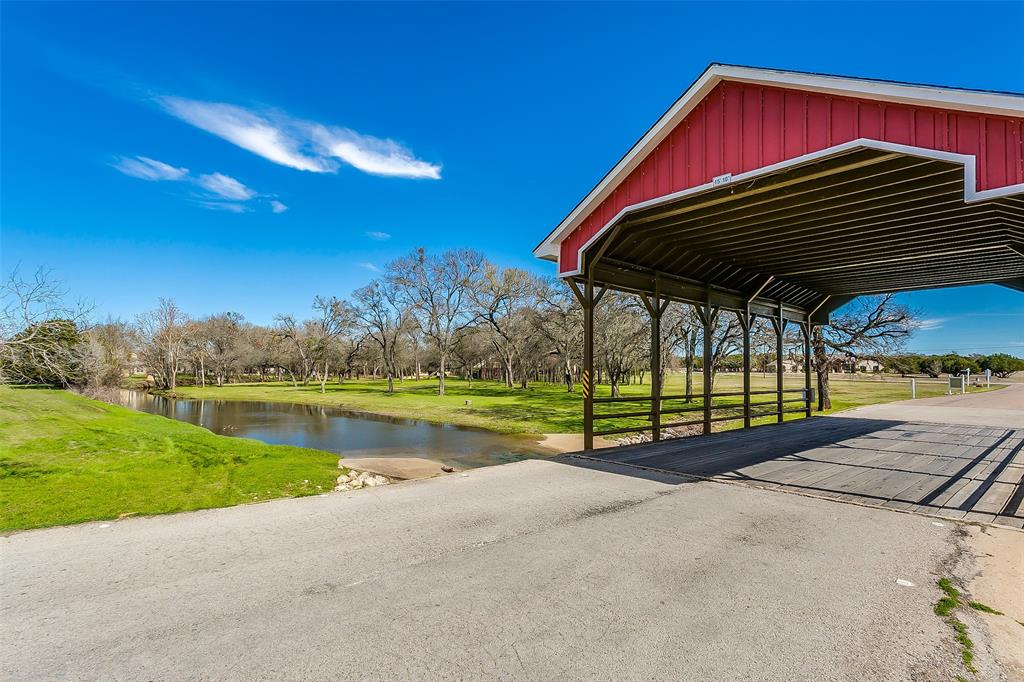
[1003,407]
[533,570]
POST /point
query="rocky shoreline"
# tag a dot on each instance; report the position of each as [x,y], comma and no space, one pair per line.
[355,480]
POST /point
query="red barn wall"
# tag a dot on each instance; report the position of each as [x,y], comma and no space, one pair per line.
[739,127]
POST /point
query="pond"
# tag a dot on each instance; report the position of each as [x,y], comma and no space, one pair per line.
[352,434]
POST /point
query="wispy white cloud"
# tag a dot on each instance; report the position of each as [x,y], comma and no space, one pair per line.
[296,143]
[370,266]
[372,154]
[146,168]
[247,130]
[225,186]
[217,191]
[229,206]
[378,236]
[933,323]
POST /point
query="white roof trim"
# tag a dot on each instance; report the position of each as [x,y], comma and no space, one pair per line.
[997,104]
[971,193]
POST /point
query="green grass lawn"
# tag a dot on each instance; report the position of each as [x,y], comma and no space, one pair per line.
[66,459]
[543,408]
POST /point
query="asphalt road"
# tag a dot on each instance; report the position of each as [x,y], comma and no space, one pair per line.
[1000,408]
[534,570]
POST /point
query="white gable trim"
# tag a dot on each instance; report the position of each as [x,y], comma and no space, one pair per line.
[997,104]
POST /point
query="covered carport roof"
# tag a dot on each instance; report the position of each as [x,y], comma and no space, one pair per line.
[762,189]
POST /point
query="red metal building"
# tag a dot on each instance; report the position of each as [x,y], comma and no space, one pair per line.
[737,120]
[784,195]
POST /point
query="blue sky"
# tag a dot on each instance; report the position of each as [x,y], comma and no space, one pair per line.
[247,157]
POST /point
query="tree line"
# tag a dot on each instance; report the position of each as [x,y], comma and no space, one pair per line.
[1001,365]
[444,314]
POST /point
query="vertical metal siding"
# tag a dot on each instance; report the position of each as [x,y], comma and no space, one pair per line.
[739,127]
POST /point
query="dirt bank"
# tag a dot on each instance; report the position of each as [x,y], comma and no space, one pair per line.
[404,468]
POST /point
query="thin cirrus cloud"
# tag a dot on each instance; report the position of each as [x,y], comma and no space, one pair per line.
[225,186]
[146,168]
[378,236]
[219,192]
[369,266]
[228,206]
[932,323]
[302,145]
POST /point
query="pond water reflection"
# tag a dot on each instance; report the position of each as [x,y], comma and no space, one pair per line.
[352,434]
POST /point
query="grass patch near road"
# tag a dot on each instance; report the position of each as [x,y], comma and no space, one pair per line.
[945,607]
[542,408]
[946,604]
[67,459]
[984,608]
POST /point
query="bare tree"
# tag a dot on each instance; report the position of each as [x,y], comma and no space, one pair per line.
[469,350]
[500,298]
[726,339]
[220,341]
[679,325]
[384,315]
[558,319]
[112,344]
[437,290]
[871,327]
[334,318]
[294,338]
[163,333]
[620,337]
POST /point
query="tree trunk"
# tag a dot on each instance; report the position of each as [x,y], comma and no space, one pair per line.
[440,374]
[324,377]
[509,379]
[689,378]
[821,367]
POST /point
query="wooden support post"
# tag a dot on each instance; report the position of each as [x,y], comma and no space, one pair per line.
[588,366]
[656,376]
[745,322]
[588,302]
[708,318]
[655,310]
[780,329]
[806,328]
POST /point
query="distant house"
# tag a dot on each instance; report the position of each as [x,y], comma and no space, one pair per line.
[852,365]
[845,365]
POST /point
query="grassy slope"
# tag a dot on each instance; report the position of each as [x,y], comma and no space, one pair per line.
[66,459]
[543,408]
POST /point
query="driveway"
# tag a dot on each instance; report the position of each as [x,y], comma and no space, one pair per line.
[534,570]
[1001,408]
